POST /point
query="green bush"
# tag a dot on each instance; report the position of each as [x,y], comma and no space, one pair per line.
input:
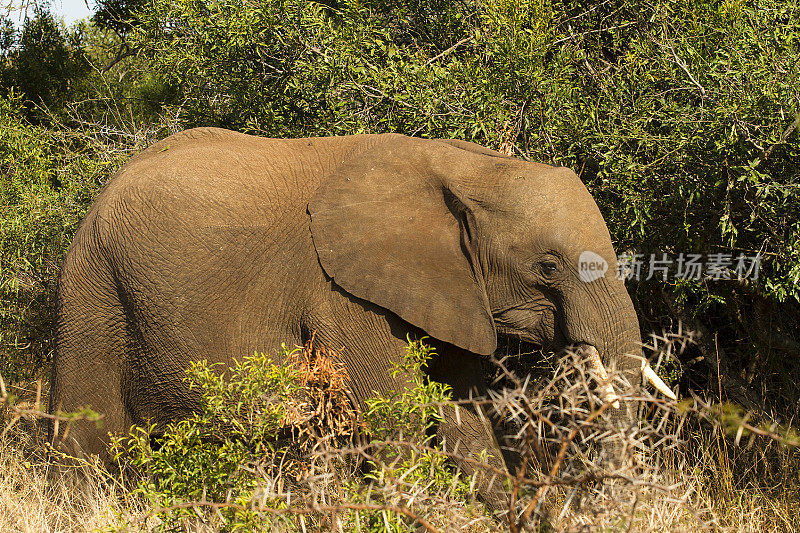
[263,433]
[411,415]
[48,177]
[214,455]
[412,412]
[45,62]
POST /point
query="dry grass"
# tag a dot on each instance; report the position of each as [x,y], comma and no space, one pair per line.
[34,498]
[751,487]
[31,503]
[687,467]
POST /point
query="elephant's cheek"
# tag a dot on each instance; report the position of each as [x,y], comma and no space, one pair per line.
[537,327]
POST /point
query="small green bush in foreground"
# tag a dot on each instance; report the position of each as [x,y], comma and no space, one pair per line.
[272,427]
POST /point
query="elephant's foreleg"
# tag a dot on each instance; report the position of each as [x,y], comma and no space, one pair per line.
[469,437]
[467,432]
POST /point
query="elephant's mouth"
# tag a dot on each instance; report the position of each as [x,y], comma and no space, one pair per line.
[539,337]
[605,389]
[532,323]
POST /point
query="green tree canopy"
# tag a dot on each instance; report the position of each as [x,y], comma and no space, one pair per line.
[44,61]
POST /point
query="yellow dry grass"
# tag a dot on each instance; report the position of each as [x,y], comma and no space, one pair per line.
[34,500]
[708,483]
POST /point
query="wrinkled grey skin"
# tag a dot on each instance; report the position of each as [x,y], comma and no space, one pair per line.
[212,245]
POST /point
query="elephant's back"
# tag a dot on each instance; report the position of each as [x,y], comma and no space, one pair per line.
[208,234]
[224,176]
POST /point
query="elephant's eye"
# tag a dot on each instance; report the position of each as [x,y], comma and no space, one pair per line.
[548,268]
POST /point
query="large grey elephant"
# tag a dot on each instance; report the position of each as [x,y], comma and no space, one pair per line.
[213,244]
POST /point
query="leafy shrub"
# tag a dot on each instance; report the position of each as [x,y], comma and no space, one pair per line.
[48,177]
[411,416]
[45,62]
[410,413]
[209,456]
[696,467]
[269,426]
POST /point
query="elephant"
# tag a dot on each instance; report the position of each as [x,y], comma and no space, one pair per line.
[212,244]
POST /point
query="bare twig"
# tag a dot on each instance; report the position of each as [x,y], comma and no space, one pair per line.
[447,51]
[785,135]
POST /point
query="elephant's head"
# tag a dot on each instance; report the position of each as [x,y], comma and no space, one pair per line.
[467,244]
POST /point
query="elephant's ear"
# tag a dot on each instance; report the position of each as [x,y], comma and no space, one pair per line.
[390,230]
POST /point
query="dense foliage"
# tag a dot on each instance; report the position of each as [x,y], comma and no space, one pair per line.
[214,455]
[47,180]
[44,61]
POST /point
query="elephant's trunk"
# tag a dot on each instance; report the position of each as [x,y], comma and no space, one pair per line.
[613,340]
[625,345]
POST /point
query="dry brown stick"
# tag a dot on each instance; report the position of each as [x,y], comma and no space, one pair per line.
[785,135]
[423,448]
[559,460]
[632,513]
[439,56]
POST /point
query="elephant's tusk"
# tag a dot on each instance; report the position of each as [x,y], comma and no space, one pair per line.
[651,376]
[606,391]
